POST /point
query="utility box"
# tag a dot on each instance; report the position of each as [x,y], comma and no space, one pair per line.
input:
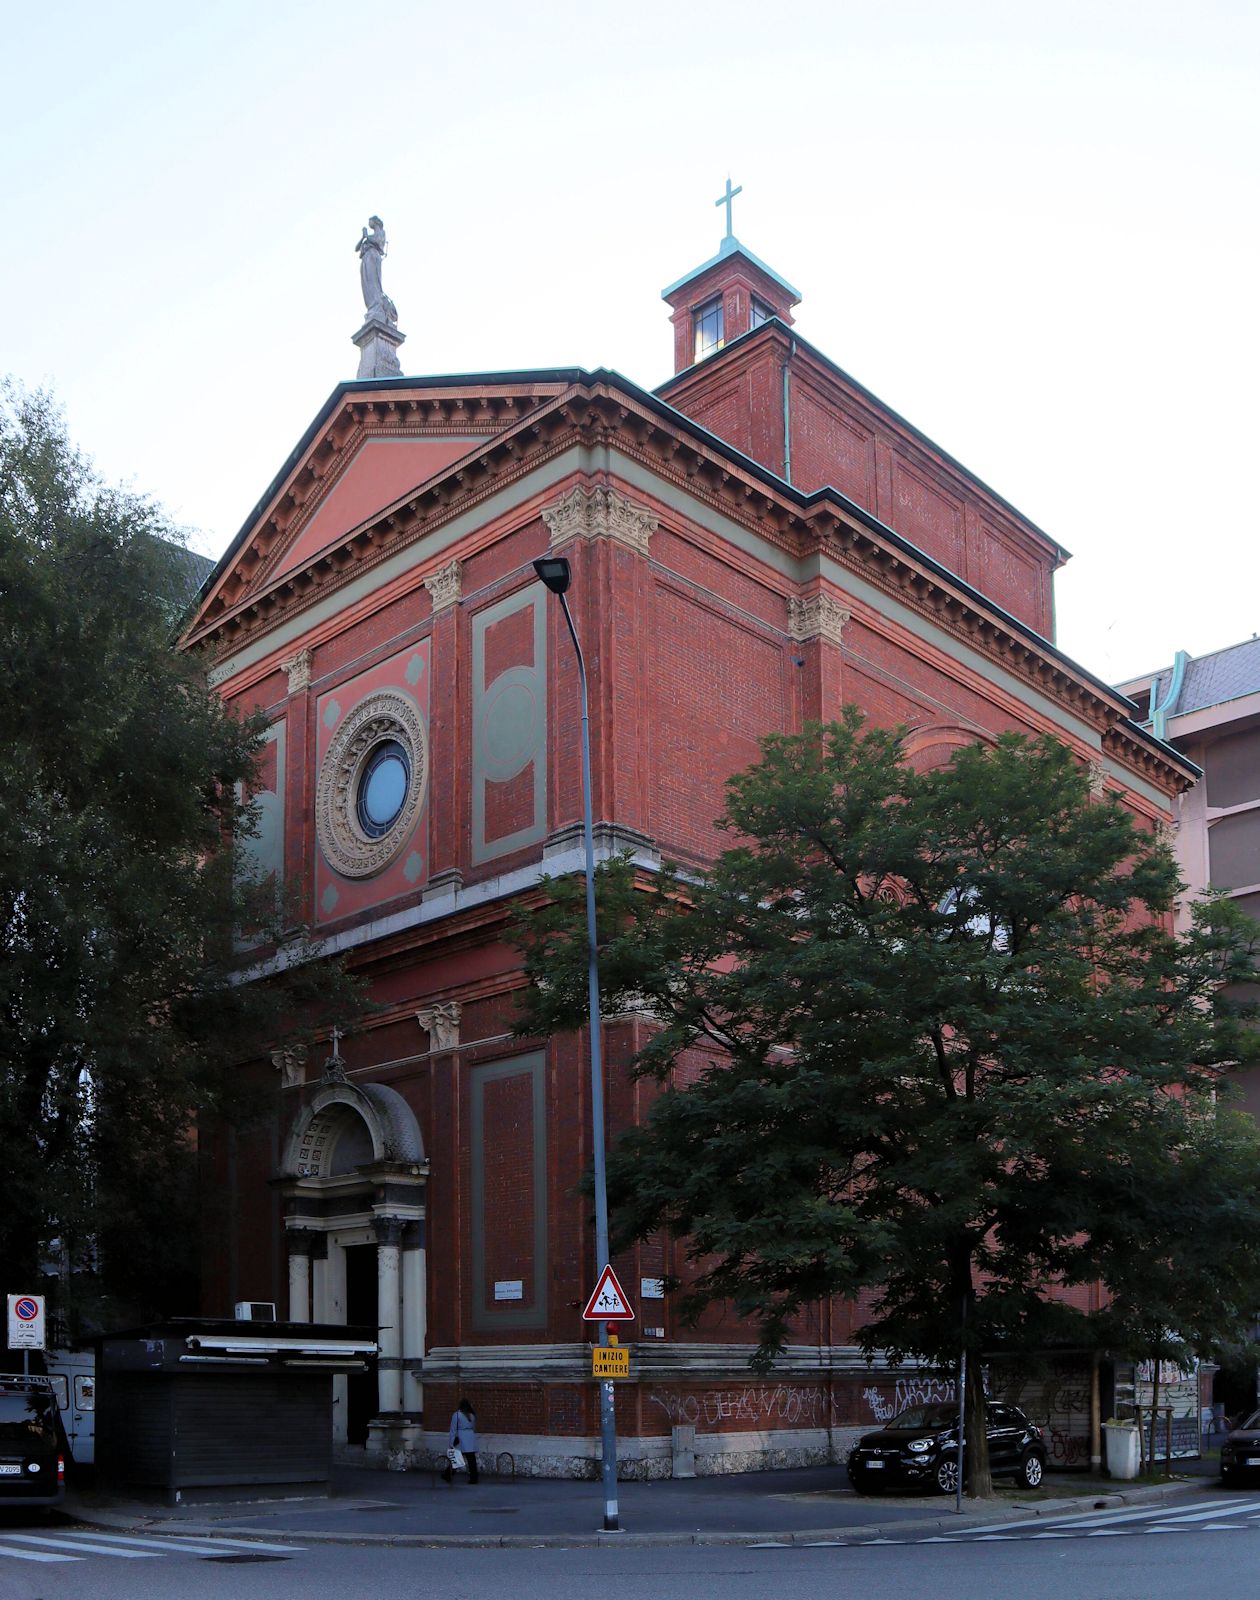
[197,1410]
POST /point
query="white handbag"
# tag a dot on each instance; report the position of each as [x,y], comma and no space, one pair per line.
[456,1458]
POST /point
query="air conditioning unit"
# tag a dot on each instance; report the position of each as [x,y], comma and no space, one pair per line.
[255,1311]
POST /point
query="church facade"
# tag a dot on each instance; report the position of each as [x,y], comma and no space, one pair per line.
[755,544]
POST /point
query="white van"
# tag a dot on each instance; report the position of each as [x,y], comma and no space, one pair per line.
[72,1374]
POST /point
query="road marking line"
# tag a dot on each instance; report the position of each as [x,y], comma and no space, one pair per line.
[33,1555]
[1204,1516]
[1082,1519]
[81,1544]
[1052,1536]
[170,1547]
[208,1546]
[1107,1533]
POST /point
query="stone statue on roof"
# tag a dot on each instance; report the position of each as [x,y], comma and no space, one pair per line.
[371,250]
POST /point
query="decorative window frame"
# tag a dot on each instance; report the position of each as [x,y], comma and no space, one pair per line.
[386,714]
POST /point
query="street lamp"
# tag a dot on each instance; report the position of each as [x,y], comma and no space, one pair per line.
[556,574]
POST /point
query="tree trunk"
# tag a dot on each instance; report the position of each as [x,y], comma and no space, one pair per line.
[976,1440]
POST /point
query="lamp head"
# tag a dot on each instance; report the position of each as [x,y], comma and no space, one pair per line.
[554,572]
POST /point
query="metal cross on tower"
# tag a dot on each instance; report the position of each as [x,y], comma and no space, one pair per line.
[725,200]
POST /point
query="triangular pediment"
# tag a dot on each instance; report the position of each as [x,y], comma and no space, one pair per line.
[372,447]
[382,470]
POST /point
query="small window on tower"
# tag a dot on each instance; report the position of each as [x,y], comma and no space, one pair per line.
[761,312]
[708,325]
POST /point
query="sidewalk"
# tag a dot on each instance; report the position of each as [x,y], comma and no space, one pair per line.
[376,1507]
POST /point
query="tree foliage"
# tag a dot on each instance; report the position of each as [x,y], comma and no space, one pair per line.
[124,778]
[925,1034]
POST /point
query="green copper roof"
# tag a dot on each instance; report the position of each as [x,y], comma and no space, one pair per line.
[730,247]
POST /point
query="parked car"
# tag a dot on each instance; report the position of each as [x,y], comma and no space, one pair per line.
[32,1449]
[1240,1451]
[920,1447]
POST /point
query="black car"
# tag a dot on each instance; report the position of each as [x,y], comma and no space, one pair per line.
[920,1447]
[32,1452]
[1240,1451]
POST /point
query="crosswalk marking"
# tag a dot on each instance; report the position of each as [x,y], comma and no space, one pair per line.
[1081,1519]
[33,1555]
[1192,1512]
[120,1544]
[75,1544]
[1203,1516]
[168,1541]
[82,1544]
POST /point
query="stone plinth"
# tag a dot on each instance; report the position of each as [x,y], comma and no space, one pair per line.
[378,343]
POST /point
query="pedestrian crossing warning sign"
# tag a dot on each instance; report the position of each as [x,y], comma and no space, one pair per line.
[610,1361]
[608,1303]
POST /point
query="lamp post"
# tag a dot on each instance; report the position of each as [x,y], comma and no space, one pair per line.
[556,574]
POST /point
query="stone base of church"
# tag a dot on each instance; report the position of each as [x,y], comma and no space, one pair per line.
[646,1459]
[393,1442]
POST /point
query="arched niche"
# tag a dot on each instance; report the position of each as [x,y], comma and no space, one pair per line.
[934,746]
[349,1126]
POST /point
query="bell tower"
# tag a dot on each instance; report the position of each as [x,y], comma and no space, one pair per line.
[726,296]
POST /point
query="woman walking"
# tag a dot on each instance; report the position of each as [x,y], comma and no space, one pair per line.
[463,1436]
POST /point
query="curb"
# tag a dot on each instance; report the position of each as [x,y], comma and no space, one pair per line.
[140,1520]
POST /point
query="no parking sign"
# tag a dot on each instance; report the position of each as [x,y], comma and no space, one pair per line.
[26,1322]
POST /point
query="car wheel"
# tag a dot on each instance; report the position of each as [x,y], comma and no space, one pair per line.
[1031,1471]
[859,1486]
[947,1476]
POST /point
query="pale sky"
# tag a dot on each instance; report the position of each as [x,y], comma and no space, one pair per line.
[1031,229]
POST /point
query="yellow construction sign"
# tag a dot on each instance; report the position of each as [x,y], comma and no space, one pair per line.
[610,1361]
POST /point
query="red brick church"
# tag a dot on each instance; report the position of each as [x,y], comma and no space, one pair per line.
[754,544]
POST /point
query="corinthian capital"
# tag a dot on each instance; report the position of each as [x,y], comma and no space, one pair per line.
[441,1022]
[299,669]
[446,585]
[819,617]
[600,513]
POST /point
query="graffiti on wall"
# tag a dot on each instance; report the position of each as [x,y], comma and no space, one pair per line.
[917,1391]
[1057,1399]
[754,1406]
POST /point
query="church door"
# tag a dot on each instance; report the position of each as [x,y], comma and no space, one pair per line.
[361,1404]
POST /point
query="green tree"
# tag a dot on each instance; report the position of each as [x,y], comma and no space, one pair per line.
[124,782]
[905,1024]
[1176,1223]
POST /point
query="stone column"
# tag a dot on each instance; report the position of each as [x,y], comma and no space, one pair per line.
[319,1277]
[414,1318]
[816,629]
[389,1232]
[299,1242]
[299,778]
[448,800]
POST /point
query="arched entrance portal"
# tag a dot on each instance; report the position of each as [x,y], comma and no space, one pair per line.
[353,1183]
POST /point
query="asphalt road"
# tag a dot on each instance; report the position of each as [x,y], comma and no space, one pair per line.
[1202,1549]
